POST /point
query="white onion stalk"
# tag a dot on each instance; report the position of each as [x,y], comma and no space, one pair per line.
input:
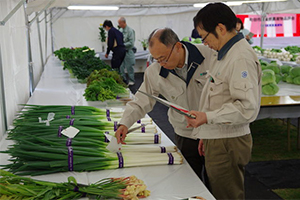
[139,122]
[143,138]
[146,159]
[148,148]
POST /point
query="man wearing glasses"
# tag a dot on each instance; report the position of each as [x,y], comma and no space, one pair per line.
[179,75]
[230,101]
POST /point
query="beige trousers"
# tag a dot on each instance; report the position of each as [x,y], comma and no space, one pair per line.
[225,161]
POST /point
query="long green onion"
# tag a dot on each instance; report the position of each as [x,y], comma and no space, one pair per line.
[16,187]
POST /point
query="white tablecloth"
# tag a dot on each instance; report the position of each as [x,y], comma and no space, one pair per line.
[165,182]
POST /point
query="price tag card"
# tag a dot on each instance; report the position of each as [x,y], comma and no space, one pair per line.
[113,145]
[70,132]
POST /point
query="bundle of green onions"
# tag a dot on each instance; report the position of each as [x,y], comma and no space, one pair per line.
[34,159]
[16,187]
[41,149]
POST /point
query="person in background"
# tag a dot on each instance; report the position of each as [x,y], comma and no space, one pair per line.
[129,61]
[178,74]
[240,28]
[114,44]
[195,34]
[230,100]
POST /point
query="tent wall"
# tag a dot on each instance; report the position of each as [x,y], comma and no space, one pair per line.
[80,31]
[14,54]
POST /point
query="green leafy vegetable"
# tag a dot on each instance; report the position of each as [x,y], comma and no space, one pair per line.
[268,76]
[270,89]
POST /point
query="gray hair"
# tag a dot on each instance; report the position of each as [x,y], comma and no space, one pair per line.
[122,19]
[166,36]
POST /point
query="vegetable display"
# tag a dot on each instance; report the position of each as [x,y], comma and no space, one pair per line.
[83,66]
[16,187]
[269,85]
[44,145]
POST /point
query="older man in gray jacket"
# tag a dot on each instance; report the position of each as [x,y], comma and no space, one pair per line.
[179,75]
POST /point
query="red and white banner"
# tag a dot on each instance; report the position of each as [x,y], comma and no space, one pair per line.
[276,25]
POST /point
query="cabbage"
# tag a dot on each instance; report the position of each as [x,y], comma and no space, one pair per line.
[284,77]
[289,79]
[278,78]
[270,89]
[297,80]
[274,67]
[188,39]
[295,71]
[263,63]
[268,76]
[285,69]
[198,41]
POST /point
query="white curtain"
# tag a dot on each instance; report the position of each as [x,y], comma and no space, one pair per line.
[83,31]
[14,53]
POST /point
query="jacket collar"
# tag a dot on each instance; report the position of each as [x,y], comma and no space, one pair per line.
[195,58]
[229,44]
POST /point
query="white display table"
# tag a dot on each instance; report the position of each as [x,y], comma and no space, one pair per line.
[165,182]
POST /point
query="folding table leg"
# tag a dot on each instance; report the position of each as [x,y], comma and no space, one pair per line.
[289,133]
[298,134]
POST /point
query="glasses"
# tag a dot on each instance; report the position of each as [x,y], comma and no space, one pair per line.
[165,61]
[203,40]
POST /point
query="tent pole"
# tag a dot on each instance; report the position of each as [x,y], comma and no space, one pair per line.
[29,53]
[2,95]
[45,8]
[40,41]
[262,25]
[2,23]
[46,36]
[51,30]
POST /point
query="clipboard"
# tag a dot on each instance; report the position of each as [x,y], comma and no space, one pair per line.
[173,106]
[251,35]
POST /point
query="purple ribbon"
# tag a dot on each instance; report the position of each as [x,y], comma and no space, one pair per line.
[73,110]
[60,128]
[69,142]
[163,149]
[143,129]
[138,121]
[121,160]
[108,119]
[115,126]
[107,113]
[72,122]
[105,138]
[76,189]
[156,138]
[70,158]
[68,116]
[171,159]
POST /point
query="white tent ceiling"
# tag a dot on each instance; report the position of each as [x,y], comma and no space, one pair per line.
[289,6]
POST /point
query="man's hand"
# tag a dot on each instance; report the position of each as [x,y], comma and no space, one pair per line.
[106,56]
[121,134]
[201,148]
[198,121]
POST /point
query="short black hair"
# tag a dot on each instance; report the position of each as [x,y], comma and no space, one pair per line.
[238,20]
[166,36]
[212,14]
[107,23]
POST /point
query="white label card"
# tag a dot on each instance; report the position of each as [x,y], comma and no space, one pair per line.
[113,145]
[70,132]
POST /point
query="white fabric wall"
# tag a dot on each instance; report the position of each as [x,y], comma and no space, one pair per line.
[14,55]
[80,31]
[14,59]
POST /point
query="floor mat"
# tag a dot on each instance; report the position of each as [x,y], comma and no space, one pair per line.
[276,174]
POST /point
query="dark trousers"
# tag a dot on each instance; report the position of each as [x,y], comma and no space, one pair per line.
[118,57]
[189,149]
